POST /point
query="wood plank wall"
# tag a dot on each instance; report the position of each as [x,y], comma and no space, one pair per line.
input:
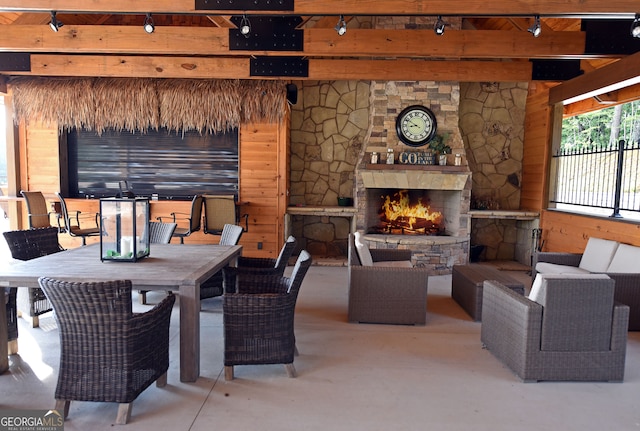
[263,182]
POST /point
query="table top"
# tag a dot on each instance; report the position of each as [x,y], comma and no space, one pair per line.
[167,267]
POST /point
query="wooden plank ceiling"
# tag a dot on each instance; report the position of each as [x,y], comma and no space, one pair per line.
[485,41]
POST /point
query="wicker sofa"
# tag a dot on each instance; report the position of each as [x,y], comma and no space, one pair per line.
[386,294]
[573,331]
[619,261]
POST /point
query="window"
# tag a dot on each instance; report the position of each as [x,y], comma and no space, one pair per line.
[174,166]
[598,163]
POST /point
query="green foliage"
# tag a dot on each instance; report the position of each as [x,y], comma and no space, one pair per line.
[439,144]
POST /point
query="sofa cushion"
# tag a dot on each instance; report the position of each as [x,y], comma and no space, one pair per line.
[536,288]
[626,260]
[556,268]
[598,254]
[363,250]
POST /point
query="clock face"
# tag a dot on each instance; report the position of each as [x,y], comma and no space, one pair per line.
[416,125]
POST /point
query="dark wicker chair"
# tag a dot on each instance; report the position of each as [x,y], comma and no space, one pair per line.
[194,219]
[259,265]
[12,319]
[159,233]
[26,245]
[213,287]
[107,352]
[576,331]
[75,223]
[258,319]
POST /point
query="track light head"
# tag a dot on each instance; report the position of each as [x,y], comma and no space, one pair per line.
[635,26]
[341,27]
[54,23]
[535,29]
[149,26]
[438,27]
[245,26]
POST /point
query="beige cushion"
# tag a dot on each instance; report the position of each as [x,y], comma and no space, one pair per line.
[598,254]
[626,260]
[363,250]
[394,263]
[537,285]
[556,268]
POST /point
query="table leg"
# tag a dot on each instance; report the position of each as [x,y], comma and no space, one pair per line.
[189,333]
[4,350]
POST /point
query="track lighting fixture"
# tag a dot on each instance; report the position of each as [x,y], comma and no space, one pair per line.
[54,23]
[535,29]
[149,26]
[438,27]
[635,26]
[245,26]
[341,26]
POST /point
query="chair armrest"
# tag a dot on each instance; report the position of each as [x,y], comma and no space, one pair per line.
[255,262]
[511,326]
[258,283]
[148,334]
[230,276]
[382,254]
[620,327]
[569,259]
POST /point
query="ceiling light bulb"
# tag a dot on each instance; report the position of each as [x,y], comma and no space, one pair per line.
[245,26]
[149,26]
[535,29]
[439,26]
[54,23]
[635,26]
[341,27]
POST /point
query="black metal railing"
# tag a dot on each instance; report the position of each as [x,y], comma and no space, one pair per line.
[599,177]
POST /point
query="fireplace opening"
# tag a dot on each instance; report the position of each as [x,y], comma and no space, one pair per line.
[413,212]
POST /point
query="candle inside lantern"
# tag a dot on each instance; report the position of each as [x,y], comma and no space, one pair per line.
[126,243]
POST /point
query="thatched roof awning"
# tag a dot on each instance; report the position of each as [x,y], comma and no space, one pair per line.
[207,106]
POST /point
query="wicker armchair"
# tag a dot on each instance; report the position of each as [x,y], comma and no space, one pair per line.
[627,284]
[259,265]
[574,332]
[107,353]
[213,287]
[259,318]
[26,245]
[159,233]
[381,294]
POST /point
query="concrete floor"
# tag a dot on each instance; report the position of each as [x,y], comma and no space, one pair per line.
[350,377]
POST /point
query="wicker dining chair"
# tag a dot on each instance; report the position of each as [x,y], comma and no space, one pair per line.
[213,287]
[26,245]
[259,265]
[259,319]
[107,352]
[159,233]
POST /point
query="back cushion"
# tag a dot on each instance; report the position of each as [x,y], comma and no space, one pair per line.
[598,254]
[626,259]
[577,312]
[363,250]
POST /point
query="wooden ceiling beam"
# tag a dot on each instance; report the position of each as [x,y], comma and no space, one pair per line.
[319,69]
[345,7]
[318,42]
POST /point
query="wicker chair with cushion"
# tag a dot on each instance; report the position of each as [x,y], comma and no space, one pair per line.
[259,319]
[107,352]
[213,287]
[384,287]
[570,328]
[37,212]
[26,245]
[159,233]
[194,219]
[259,265]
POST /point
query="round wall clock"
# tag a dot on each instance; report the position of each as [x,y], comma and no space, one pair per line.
[416,125]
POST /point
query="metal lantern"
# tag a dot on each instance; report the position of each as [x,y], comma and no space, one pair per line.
[125,229]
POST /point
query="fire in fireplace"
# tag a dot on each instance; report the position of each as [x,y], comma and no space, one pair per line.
[404,214]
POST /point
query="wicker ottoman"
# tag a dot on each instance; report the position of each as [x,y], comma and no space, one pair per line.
[466,286]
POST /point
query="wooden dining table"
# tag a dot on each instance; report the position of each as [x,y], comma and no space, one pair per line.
[170,267]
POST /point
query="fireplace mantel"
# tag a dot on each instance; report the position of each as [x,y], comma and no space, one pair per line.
[432,179]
